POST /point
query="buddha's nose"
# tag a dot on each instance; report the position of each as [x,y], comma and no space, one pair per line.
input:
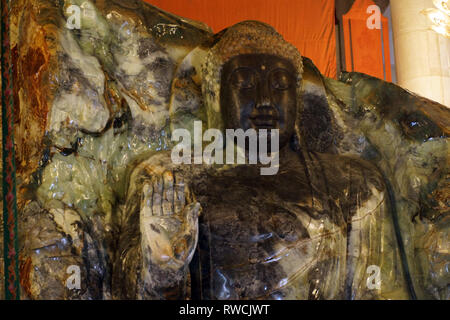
[264,100]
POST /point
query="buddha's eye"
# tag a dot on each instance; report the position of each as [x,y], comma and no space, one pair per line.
[243,78]
[281,79]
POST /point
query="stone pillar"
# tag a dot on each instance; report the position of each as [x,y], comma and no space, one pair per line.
[422,56]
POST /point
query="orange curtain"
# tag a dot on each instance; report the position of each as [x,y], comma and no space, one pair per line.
[308,24]
[366,50]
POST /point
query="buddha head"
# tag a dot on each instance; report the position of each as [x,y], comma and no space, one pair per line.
[251,79]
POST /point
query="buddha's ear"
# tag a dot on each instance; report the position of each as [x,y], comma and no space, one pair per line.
[315,125]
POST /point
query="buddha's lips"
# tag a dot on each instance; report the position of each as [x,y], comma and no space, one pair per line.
[264,121]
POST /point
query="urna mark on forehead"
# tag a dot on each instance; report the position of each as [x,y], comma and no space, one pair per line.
[260,62]
[262,69]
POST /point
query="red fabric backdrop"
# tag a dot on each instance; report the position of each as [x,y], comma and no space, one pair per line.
[308,24]
[366,50]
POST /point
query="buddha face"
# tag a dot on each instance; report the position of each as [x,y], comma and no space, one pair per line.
[259,91]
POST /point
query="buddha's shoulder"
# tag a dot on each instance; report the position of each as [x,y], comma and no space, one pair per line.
[339,170]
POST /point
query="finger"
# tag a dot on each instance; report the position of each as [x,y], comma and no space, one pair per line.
[157,196]
[179,194]
[147,200]
[190,222]
[193,211]
[188,237]
[167,201]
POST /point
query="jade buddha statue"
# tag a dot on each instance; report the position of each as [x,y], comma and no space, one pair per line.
[357,208]
[311,231]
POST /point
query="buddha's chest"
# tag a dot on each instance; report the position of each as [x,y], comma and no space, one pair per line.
[257,234]
[253,210]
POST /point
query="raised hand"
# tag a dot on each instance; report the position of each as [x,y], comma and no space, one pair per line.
[168,220]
